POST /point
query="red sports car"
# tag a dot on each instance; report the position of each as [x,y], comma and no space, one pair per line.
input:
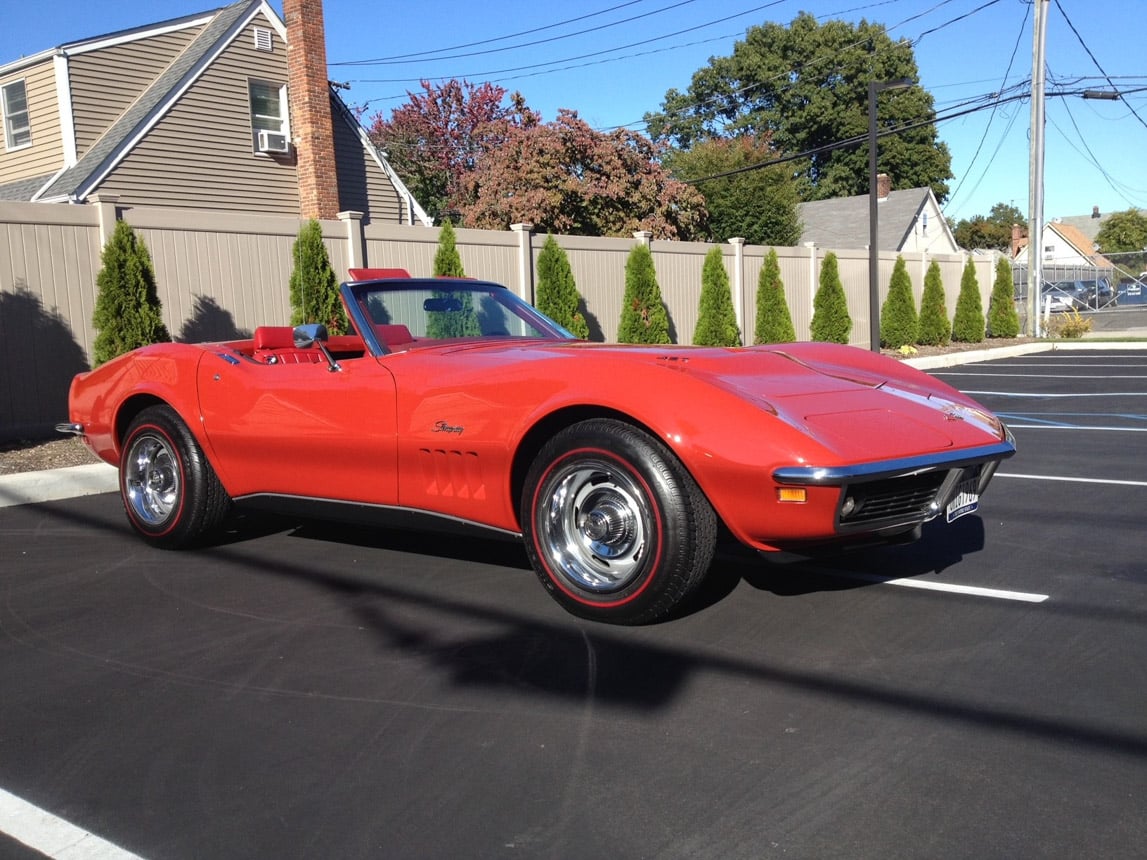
[458,403]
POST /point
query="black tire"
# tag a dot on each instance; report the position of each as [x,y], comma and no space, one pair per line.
[172,496]
[615,527]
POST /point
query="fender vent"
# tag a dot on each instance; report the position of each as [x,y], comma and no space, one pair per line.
[452,474]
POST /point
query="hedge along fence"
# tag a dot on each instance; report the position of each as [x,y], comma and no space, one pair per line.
[219,275]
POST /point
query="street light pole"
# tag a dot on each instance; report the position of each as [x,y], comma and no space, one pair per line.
[875,87]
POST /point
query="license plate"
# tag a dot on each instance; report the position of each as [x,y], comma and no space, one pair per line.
[965,501]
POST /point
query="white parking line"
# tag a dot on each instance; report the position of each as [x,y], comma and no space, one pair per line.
[953,588]
[52,836]
[1073,480]
[1040,375]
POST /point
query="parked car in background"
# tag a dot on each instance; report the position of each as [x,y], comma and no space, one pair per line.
[1099,293]
[1063,296]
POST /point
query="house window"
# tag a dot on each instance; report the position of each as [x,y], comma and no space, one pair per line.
[14,104]
[269,115]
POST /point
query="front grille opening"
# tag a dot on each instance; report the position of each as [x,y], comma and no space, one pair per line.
[890,501]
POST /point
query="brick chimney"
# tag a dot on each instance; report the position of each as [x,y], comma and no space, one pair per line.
[883,186]
[1019,239]
[1095,212]
[310,103]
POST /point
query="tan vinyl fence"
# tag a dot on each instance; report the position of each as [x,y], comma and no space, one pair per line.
[221,275]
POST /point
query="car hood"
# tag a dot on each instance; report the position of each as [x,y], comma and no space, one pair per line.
[850,400]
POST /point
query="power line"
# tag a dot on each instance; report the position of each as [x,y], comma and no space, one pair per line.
[428,56]
[1090,54]
[991,119]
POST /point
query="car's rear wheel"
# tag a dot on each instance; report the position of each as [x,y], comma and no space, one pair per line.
[615,527]
[170,492]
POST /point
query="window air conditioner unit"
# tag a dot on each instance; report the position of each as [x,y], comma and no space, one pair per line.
[271,141]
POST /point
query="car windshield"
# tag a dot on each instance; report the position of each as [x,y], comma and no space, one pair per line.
[400,314]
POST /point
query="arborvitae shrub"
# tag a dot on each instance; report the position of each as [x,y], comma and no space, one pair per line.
[899,324]
[643,315]
[558,297]
[314,285]
[968,326]
[448,264]
[1003,318]
[830,320]
[935,327]
[774,322]
[128,313]
[716,319]
[447,261]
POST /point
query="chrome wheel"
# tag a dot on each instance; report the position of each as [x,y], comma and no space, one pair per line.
[614,526]
[151,479]
[595,526]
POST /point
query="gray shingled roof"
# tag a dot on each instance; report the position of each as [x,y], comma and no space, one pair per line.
[843,222]
[23,189]
[156,99]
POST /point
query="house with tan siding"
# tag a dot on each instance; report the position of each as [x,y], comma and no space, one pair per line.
[226,110]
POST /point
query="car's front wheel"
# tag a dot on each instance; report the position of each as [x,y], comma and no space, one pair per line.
[615,527]
[170,492]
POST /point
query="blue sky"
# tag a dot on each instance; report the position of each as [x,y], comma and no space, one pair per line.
[613,60]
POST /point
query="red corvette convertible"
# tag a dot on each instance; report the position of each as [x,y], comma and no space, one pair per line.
[457,404]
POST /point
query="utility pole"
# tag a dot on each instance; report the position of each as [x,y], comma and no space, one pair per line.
[1035,171]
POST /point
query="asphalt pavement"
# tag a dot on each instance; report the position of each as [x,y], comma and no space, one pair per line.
[305,690]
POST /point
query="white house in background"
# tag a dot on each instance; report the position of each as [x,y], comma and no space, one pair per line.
[1063,246]
[909,220]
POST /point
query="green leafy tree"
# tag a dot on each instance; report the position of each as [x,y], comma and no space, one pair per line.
[968,325]
[804,87]
[314,285]
[759,205]
[899,323]
[774,322]
[558,297]
[463,320]
[993,231]
[128,313]
[935,327]
[1003,318]
[643,315]
[831,322]
[1123,236]
[716,319]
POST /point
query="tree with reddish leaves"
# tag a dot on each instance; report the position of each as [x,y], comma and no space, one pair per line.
[433,140]
[565,177]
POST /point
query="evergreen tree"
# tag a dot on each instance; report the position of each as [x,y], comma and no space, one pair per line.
[935,327]
[774,322]
[558,297]
[1003,318]
[128,313]
[643,315]
[447,261]
[968,326]
[830,320]
[314,285]
[462,322]
[899,324]
[716,319]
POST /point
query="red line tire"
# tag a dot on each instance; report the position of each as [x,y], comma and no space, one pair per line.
[170,492]
[614,526]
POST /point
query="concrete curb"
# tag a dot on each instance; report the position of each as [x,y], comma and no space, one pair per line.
[27,488]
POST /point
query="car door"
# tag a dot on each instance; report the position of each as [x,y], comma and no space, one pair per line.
[302,429]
